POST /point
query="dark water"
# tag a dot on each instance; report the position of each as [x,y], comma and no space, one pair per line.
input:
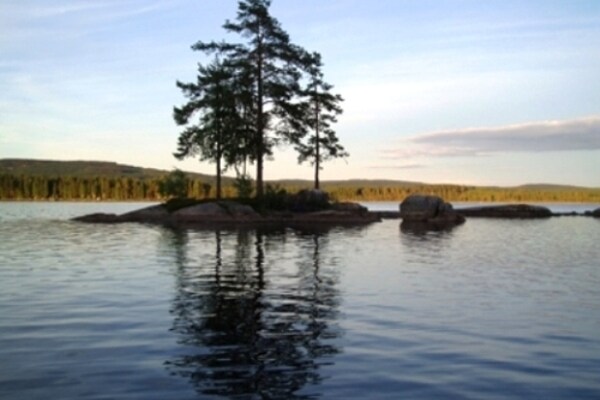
[492,309]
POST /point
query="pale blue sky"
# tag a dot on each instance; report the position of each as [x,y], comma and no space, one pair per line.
[477,92]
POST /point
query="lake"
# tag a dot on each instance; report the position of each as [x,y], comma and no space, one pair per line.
[493,309]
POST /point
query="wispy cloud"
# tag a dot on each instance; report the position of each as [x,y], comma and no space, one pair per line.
[54,10]
[397,167]
[95,8]
[68,19]
[545,136]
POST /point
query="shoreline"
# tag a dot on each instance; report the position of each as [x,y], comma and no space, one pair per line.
[228,213]
[398,201]
[77,201]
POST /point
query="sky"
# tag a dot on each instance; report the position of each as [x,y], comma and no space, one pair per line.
[495,92]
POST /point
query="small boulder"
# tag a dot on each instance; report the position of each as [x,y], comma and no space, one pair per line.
[596,213]
[421,212]
[420,207]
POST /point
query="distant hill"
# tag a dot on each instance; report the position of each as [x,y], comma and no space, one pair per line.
[81,169]
[92,169]
[350,183]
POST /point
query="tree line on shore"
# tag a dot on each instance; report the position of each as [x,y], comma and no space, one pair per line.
[64,188]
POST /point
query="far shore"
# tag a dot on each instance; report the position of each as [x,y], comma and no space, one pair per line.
[582,202]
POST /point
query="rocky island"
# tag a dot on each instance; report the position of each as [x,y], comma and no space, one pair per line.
[313,208]
[304,209]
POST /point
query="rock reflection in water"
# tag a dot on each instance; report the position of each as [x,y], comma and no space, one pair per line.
[254,321]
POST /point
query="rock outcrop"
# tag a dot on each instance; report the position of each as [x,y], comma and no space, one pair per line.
[510,211]
[230,213]
[98,218]
[421,212]
[156,213]
[152,214]
[225,211]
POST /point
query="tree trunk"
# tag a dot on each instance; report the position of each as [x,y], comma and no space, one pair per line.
[317,150]
[260,126]
[219,178]
[219,156]
[259,177]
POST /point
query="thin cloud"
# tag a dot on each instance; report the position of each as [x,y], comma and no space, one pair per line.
[66,20]
[111,8]
[410,150]
[534,137]
[50,11]
[407,166]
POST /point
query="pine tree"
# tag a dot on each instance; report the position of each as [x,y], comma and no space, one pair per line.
[212,98]
[321,110]
[272,66]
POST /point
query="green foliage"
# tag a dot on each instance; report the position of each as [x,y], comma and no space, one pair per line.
[175,184]
[214,136]
[309,201]
[276,198]
[268,68]
[243,186]
[321,109]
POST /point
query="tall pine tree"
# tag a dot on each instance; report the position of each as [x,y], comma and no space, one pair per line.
[212,99]
[272,66]
[321,109]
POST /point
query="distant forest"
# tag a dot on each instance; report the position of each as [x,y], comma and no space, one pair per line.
[127,188]
[24,179]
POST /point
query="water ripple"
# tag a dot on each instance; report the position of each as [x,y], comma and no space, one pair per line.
[493,309]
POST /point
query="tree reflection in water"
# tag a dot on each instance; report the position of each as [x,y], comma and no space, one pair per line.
[258,320]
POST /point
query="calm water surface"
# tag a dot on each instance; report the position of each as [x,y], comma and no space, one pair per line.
[493,309]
